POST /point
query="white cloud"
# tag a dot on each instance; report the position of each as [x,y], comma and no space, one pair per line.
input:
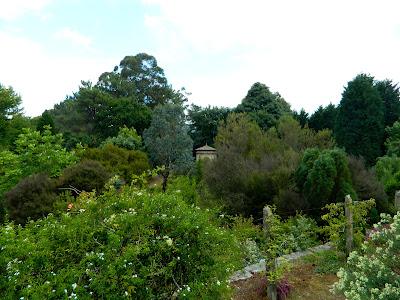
[307,50]
[74,37]
[43,78]
[13,9]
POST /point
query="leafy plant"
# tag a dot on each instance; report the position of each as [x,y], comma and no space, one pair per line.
[336,222]
[87,175]
[373,271]
[122,244]
[32,198]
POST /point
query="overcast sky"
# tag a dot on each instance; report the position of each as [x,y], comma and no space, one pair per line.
[305,50]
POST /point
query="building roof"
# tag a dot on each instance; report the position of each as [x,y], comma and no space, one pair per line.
[206,148]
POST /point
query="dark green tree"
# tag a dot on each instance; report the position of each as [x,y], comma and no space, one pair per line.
[360,120]
[167,140]
[138,76]
[263,106]
[45,120]
[390,95]
[324,177]
[323,118]
[11,118]
[302,117]
[204,122]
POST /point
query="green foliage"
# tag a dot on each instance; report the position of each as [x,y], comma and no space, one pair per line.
[336,222]
[324,177]
[367,185]
[167,140]
[254,168]
[373,271]
[87,175]
[123,244]
[186,187]
[204,122]
[301,117]
[32,198]
[360,120]
[127,138]
[138,76]
[263,106]
[323,118]
[45,120]
[388,172]
[119,161]
[390,95]
[326,262]
[393,140]
[9,102]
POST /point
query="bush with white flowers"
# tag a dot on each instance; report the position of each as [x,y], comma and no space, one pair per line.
[374,271]
[125,244]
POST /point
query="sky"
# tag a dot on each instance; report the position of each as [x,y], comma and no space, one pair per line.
[306,50]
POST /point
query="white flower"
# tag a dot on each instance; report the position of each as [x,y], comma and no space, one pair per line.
[134,275]
[169,242]
[74,285]
[126,293]
[218,282]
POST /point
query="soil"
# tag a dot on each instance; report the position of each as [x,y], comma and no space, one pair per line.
[306,284]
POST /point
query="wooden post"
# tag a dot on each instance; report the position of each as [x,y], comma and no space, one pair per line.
[267,213]
[272,293]
[348,212]
[397,200]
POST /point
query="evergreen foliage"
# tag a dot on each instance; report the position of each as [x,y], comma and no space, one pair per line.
[167,140]
[263,106]
[360,121]
[32,198]
[87,175]
[324,177]
[119,161]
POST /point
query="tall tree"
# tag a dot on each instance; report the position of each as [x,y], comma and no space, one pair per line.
[138,76]
[360,121]
[11,118]
[302,117]
[204,122]
[167,140]
[323,118]
[390,95]
[263,106]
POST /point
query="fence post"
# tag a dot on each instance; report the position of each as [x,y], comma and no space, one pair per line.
[397,200]
[271,287]
[348,212]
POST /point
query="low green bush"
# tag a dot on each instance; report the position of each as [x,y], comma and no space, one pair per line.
[119,161]
[373,271]
[87,175]
[124,244]
[32,198]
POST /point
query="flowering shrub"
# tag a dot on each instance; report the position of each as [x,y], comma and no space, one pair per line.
[373,272]
[124,244]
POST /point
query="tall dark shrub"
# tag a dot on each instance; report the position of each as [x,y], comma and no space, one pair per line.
[33,197]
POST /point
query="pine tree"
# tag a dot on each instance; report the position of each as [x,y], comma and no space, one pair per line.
[360,121]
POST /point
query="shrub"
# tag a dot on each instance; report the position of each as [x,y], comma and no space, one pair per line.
[336,222]
[127,138]
[121,245]
[119,161]
[87,175]
[373,271]
[32,198]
